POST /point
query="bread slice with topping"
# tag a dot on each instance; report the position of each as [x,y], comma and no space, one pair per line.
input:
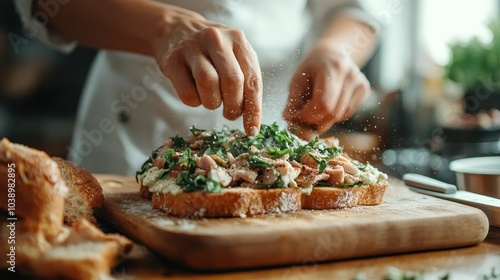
[228,174]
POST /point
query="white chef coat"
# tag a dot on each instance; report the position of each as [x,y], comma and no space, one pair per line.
[128,108]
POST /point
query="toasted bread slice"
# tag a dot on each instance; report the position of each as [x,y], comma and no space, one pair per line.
[231,202]
[322,198]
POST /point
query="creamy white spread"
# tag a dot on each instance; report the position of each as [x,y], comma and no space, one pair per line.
[307,190]
[372,175]
[164,185]
[289,177]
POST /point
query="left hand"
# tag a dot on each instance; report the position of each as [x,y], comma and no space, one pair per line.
[326,88]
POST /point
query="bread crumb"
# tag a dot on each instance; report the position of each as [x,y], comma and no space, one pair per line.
[186,225]
[200,213]
[162,222]
[144,208]
[135,206]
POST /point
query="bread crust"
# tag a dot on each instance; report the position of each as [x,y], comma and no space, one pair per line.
[242,202]
[323,198]
[144,192]
[82,179]
[39,189]
[86,185]
[231,202]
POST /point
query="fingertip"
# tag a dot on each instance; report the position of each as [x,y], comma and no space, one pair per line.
[253,131]
[252,123]
[252,114]
[306,134]
[190,98]
[301,131]
[231,113]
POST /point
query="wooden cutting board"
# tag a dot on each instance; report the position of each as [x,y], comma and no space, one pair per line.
[404,222]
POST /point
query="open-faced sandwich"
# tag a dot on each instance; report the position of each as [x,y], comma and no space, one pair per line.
[228,174]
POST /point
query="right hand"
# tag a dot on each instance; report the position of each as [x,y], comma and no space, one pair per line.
[327,88]
[211,64]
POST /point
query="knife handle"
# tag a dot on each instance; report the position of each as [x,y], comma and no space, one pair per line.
[427,183]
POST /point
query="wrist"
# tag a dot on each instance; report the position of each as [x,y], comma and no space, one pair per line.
[169,26]
[350,37]
[331,46]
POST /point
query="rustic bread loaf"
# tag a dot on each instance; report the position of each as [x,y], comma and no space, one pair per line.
[44,247]
[39,189]
[85,192]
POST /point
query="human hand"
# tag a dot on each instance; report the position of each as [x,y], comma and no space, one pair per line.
[326,88]
[211,64]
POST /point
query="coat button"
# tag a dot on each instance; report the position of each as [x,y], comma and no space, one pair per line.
[123,116]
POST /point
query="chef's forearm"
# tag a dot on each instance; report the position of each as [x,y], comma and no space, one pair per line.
[355,37]
[125,25]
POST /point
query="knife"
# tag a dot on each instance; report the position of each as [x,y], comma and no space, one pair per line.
[426,185]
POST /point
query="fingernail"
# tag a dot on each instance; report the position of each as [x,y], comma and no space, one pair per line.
[254,131]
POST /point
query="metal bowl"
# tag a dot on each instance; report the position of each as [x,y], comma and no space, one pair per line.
[478,174]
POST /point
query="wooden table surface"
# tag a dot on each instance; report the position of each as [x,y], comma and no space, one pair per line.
[475,262]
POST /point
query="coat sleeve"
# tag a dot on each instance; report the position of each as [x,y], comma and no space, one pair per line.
[36,25]
[323,11]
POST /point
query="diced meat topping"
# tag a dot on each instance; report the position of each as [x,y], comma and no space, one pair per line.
[243,174]
[206,161]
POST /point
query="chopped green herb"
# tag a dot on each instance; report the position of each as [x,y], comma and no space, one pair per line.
[192,182]
[359,166]
[254,159]
[170,159]
[323,184]
[277,184]
[321,162]
[219,151]
[179,142]
[195,131]
[276,142]
[344,185]
[163,173]
[144,168]
[275,152]
[238,147]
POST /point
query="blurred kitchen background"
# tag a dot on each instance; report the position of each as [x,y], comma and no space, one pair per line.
[435,79]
